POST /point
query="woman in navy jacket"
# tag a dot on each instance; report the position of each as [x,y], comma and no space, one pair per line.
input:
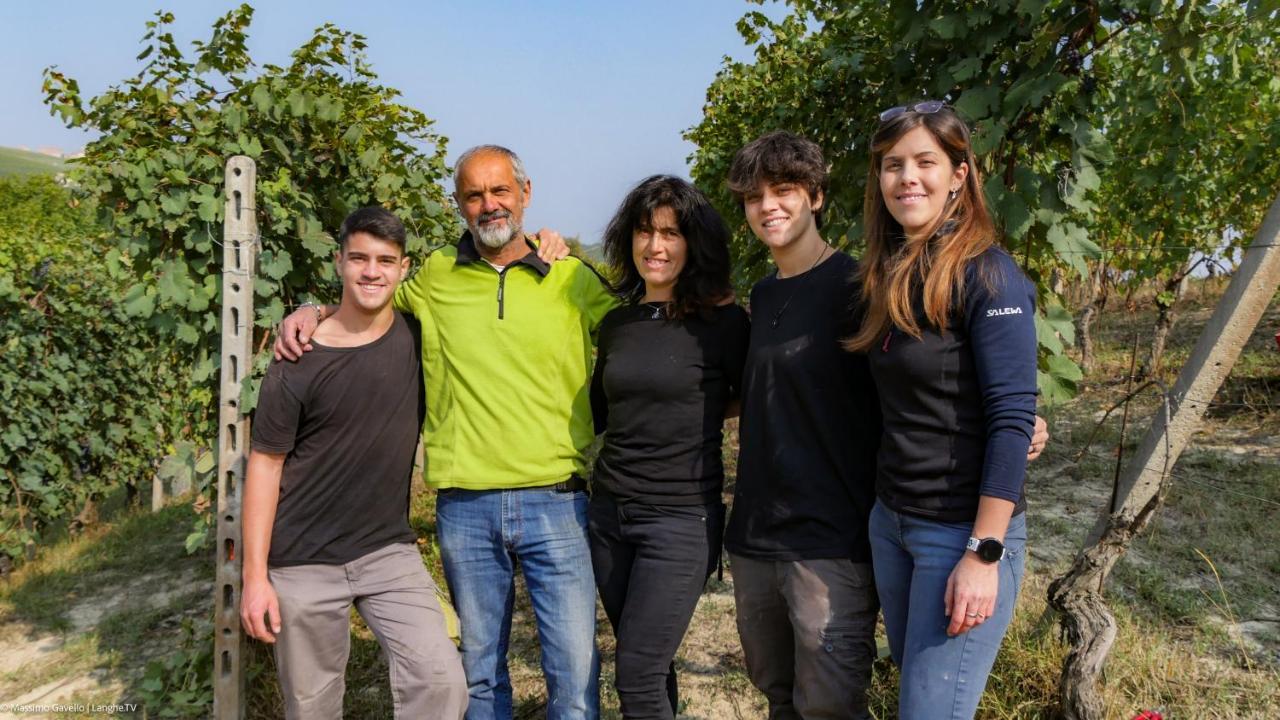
[950,334]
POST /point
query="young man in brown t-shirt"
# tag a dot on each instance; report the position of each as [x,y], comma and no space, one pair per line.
[326,498]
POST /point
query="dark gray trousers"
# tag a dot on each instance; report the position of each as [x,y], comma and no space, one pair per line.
[808,634]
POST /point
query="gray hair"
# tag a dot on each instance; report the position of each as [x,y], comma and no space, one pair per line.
[517,167]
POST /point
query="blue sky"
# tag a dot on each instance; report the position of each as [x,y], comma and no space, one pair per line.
[593,95]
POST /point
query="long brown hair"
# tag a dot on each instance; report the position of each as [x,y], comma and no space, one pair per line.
[894,268]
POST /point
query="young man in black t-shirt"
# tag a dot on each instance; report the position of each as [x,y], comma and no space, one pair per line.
[797,535]
[326,507]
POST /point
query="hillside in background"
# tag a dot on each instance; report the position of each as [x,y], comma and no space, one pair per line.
[24,162]
[594,253]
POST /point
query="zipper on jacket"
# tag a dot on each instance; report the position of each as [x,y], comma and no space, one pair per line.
[502,284]
[887,337]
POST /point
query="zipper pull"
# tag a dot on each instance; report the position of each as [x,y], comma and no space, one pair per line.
[887,336]
[502,284]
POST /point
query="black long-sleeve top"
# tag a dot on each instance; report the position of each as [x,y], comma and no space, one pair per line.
[659,393]
[959,407]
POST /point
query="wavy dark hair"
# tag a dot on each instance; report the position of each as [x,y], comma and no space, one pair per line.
[704,281]
[780,157]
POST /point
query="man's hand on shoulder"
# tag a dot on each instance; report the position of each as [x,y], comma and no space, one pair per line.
[551,246]
[294,337]
[1039,439]
[259,599]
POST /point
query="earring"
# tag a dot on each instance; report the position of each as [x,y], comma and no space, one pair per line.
[953,194]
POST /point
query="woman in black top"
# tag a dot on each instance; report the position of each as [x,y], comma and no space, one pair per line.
[669,367]
[949,332]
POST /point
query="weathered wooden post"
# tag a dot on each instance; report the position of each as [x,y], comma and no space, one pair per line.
[239,256]
[1088,622]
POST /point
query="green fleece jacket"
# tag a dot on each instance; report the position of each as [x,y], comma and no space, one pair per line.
[506,362]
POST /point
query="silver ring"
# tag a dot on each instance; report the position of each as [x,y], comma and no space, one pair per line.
[972,615]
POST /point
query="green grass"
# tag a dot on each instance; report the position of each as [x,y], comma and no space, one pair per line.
[21,162]
[85,566]
[1220,511]
[99,593]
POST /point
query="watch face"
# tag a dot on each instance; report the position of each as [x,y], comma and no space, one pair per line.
[990,550]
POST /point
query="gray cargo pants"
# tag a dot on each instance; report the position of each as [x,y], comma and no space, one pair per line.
[396,596]
[808,633]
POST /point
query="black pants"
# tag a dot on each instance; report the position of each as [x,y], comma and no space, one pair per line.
[651,562]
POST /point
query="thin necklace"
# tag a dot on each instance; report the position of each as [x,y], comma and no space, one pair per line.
[658,308]
[777,317]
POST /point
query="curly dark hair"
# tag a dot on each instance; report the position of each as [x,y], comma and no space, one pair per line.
[704,281]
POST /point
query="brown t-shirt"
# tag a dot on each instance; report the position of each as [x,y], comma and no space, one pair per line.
[348,420]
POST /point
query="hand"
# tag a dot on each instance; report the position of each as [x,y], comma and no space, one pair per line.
[551,246]
[971,593]
[295,334]
[1039,439]
[260,598]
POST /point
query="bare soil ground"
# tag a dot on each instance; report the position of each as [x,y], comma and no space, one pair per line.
[78,627]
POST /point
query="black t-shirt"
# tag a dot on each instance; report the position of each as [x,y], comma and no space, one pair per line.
[348,420]
[659,394]
[810,423]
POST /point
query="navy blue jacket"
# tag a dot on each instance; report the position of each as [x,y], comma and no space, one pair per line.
[959,407]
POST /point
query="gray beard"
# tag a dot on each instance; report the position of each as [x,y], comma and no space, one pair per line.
[496,238]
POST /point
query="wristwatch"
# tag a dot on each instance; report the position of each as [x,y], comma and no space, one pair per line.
[318,308]
[989,550]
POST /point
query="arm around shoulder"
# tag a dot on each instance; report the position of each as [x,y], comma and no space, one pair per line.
[294,336]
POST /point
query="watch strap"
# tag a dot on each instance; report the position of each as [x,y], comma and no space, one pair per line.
[975,544]
[318,308]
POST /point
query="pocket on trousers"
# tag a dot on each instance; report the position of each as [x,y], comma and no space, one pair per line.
[851,644]
[561,512]
[1015,559]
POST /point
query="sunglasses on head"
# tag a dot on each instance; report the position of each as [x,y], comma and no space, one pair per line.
[928,107]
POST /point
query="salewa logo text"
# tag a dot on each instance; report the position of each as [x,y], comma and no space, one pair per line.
[1004,311]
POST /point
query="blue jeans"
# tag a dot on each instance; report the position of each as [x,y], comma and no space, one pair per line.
[483,535]
[942,677]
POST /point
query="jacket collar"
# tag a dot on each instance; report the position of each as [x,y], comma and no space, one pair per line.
[467,254]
